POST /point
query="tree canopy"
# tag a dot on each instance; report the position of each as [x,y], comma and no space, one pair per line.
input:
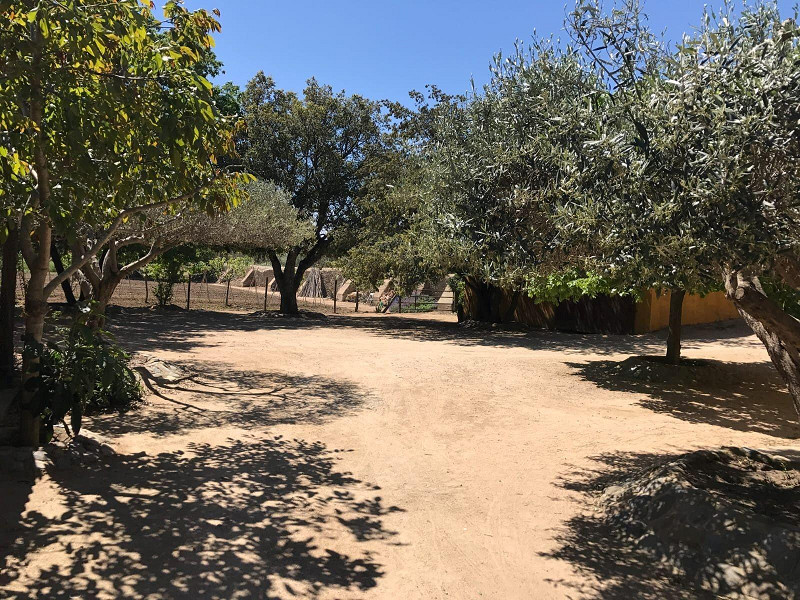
[320,149]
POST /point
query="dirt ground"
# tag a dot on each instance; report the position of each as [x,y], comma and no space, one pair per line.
[374,456]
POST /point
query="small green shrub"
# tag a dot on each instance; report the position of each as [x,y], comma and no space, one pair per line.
[82,372]
[167,271]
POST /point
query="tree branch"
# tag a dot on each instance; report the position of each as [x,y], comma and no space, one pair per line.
[155,252]
[109,234]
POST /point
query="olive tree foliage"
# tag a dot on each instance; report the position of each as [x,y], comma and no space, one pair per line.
[104,114]
[320,149]
[396,237]
[497,162]
[262,219]
[644,244]
[737,106]
[713,192]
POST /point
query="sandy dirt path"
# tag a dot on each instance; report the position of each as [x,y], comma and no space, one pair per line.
[375,457]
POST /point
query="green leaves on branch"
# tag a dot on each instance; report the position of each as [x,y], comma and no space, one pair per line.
[81,372]
[127,118]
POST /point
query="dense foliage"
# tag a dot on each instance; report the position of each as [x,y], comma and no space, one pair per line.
[320,149]
[105,113]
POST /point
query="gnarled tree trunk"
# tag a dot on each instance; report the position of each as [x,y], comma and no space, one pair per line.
[676,297]
[777,330]
[286,279]
[484,300]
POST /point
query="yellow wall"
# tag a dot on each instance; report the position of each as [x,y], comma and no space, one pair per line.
[652,313]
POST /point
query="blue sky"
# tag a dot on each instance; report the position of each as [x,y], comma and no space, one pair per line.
[384,48]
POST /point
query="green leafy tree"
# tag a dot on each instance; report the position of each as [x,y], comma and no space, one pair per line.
[498,162]
[104,115]
[644,247]
[263,218]
[319,149]
[704,191]
[397,237]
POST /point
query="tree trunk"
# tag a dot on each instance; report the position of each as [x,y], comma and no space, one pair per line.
[356,300]
[485,298]
[65,285]
[288,290]
[102,297]
[512,307]
[676,297]
[35,312]
[288,281]
[8,297]
[777,330]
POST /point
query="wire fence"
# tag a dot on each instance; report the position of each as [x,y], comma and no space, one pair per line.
[138,292]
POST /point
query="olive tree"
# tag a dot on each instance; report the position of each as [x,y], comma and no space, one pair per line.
[736,105]
[498,162]
[639,242]
[397,237]
[706,192]
[262,219]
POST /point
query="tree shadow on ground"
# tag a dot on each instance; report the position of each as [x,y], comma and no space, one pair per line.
[598,549]
[254,519]
[739,396]
[217,395]
[15,489]
[623,546]
[179,330]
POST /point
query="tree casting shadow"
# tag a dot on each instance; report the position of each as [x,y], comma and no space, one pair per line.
[241,520]
[740,396]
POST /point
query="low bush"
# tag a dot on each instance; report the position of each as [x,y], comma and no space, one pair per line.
[82,372]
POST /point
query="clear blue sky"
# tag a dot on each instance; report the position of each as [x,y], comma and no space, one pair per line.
[384,48]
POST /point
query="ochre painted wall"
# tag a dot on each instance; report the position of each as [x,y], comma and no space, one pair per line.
[652,313]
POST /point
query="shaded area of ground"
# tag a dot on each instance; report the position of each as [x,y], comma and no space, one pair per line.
[690,526]
[15,490]
[183,329]
[234,397]
[214,522]
[742,396]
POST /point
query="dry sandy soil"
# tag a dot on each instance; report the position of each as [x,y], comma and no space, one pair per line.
[379,457]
